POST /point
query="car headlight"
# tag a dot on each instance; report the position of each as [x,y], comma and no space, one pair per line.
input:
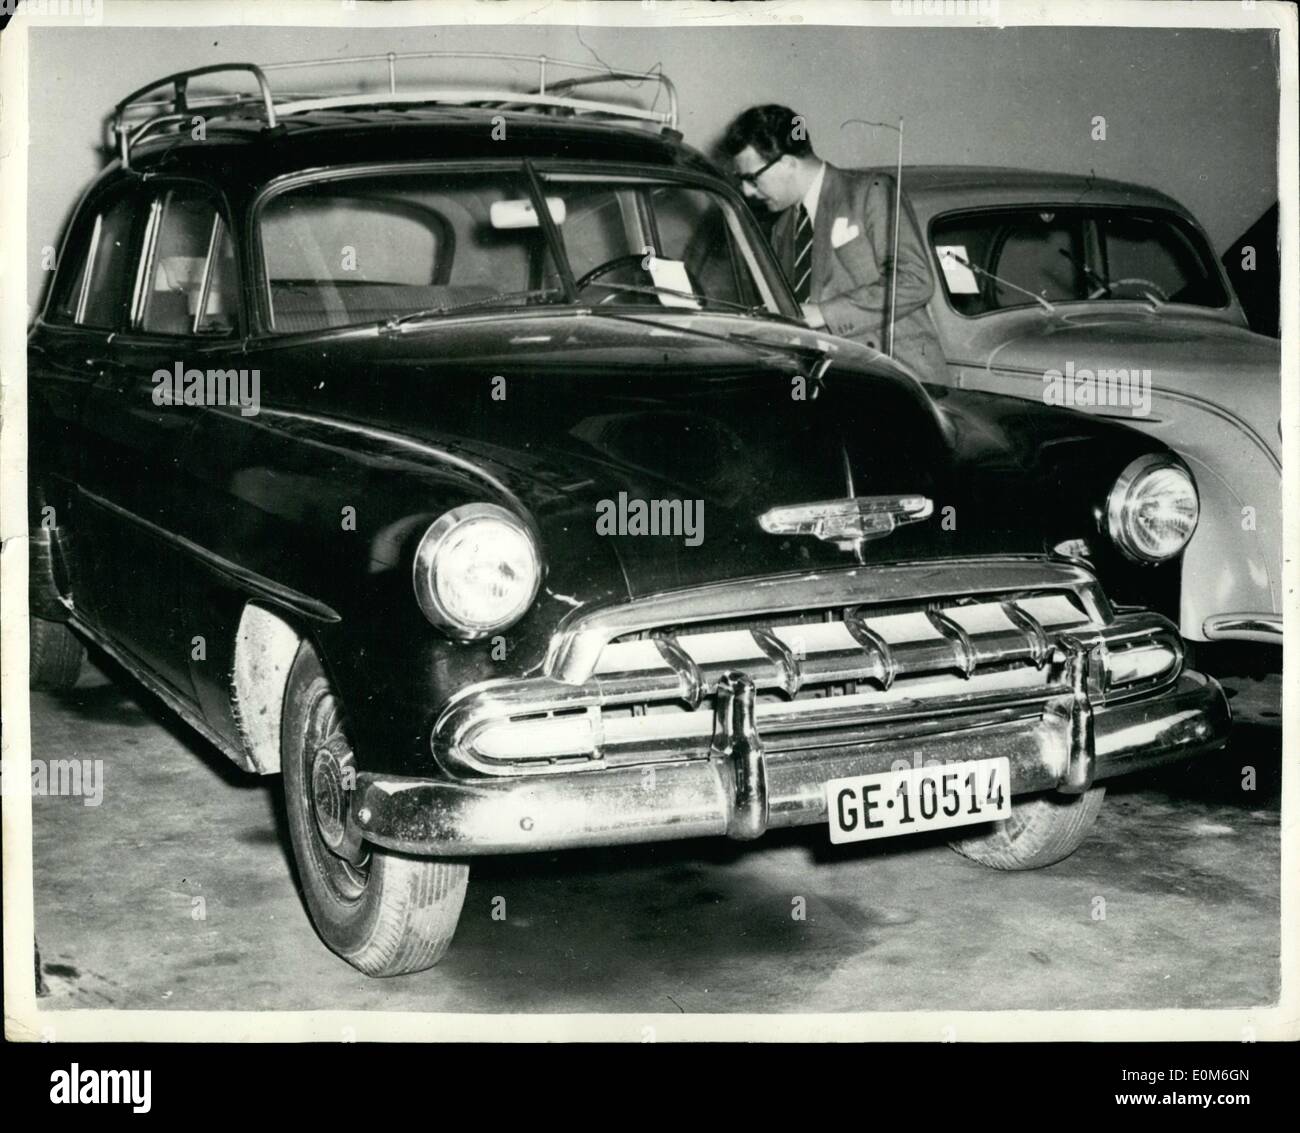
[476,570]
[1152,510]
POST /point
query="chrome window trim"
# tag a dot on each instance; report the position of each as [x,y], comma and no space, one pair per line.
[214,242]
[145,266]
[92,254]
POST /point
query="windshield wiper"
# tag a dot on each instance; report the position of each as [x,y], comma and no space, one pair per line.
[396,322]
[1005,282]
[704,301]
[399,321]
[761,346]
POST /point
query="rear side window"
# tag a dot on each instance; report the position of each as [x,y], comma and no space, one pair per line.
[98,291]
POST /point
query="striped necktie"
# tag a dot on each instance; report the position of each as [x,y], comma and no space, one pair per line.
[803,241]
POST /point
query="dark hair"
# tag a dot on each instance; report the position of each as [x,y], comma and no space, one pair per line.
[772,130]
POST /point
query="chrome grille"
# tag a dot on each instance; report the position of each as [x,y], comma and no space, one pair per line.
[634,683]
[812,656]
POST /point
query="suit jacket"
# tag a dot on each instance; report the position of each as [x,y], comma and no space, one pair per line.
[852,236]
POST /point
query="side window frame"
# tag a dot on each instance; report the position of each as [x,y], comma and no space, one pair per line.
[76,265]
[146,263]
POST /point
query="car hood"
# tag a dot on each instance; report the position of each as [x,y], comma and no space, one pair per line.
[1192,357]
[588,421]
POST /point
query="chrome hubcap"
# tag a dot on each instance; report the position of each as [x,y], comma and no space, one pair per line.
[333,779]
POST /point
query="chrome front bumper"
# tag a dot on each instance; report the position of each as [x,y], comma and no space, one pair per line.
[740,791]
[1263,628]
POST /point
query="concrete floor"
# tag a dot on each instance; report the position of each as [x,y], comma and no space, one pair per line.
[1186,861]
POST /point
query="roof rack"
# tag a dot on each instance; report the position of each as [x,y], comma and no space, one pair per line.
[550,95]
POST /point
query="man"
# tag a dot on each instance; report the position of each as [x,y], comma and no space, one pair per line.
[834,238]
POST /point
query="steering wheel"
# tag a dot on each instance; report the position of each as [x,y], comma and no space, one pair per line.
[609,266]
[1137,282]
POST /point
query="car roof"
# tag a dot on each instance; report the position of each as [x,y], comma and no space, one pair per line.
[933,189]
[247,150]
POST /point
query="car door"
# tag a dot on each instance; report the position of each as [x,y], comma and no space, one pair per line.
[70,353]
[182,319]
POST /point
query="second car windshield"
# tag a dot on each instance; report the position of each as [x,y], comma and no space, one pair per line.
[361,249]
[1004,258]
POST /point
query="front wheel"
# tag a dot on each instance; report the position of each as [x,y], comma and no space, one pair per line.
[384,913]
[56,655]
[1041,831]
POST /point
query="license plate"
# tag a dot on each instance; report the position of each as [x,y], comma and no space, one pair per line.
[920,798]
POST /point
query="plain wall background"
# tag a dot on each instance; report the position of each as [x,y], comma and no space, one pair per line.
[1191,112]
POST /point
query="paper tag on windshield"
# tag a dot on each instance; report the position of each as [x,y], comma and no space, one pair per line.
[671,274]
[959,278]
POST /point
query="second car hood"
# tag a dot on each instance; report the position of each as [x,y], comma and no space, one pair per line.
[1188,356]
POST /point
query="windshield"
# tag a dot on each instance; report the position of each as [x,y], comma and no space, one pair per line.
[385,247]
[994,260]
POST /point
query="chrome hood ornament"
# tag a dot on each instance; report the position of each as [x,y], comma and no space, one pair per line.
[848,522]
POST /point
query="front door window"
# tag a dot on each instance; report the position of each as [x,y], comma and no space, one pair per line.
[188,270]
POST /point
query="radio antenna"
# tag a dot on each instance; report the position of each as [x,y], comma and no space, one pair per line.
[893,258]
[898,207]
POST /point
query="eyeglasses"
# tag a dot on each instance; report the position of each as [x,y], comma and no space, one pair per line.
[752,178]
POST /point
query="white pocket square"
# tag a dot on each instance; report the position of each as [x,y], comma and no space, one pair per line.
[842,232]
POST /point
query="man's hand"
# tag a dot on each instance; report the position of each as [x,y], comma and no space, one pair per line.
[812,315]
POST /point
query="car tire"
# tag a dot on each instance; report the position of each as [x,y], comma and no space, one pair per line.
[1041,831]
[388,914]
[56,655]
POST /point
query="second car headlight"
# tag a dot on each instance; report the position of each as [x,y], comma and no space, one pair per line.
[477,570]
[1152,509]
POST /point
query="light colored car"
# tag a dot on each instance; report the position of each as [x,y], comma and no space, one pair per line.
[1107,297]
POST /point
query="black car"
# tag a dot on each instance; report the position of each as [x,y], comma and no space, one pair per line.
[460,454]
